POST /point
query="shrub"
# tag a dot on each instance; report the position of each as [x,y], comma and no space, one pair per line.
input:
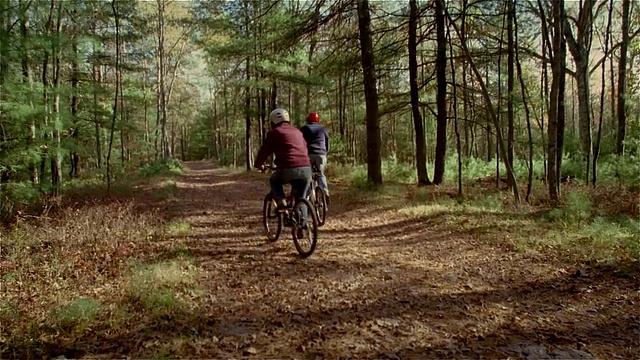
[225,158]
[577,209]
[395,171]
[17,197]
[161,167]
[624,170]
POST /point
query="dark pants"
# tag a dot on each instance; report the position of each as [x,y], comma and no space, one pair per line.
[299,179]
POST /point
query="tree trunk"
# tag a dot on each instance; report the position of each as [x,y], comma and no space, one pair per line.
[247,120]
[75,157]
[510,81]
[580,48]
[622,79]
[544,99]
[5,33]
[183,141]
[556,104]
[123,113]
[421,149]
[97,79]
[45,91]
[274,95]
[455,109]
[263,114]
[162,95]
[26,78]
[227,129]
[341,111]
[56,157]
[147,137]
[523,90]
[584,110]
[596,149]
[441,93]
[116,17]
[374,161]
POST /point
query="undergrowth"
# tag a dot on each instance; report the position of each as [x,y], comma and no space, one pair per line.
[612,171]
[90,270]
[161,167]
[25,198]
[579,229]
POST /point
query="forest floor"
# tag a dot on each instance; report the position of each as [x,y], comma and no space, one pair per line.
[382,283]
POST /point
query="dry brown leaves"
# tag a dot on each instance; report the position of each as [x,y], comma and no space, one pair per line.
[380,285]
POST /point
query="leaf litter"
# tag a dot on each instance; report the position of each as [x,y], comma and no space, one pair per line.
[381,284]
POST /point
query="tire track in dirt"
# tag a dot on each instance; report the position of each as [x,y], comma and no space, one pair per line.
[380,285]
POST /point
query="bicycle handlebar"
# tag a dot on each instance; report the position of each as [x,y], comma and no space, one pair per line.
[268,167]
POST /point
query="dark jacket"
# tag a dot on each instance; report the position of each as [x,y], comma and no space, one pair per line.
[317,138]
[288,144]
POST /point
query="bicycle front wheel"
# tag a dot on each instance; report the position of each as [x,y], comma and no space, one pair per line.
[305,233]
[321,205]
[271,219]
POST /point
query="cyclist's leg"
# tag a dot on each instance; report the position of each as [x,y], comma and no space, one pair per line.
[322,179]
[300,179]
[277,182]
[320,162]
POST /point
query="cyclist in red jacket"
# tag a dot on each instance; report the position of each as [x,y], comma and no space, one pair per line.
[291,157]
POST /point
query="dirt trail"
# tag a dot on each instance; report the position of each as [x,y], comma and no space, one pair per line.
[381,285]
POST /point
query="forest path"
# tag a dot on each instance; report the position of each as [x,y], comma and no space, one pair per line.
[382,285]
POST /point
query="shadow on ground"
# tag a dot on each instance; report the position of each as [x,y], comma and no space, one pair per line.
[379,286]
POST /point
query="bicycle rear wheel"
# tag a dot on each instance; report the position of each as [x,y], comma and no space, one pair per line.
[305,239]
[321,205]
[271,219]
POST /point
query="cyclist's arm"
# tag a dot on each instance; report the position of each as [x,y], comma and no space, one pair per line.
[265,150]
[326,139]
[305,135]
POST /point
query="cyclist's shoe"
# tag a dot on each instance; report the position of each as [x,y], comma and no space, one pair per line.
[302,231]
[281,204]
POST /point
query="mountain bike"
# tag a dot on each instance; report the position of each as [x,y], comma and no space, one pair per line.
[305,234]
[318,196]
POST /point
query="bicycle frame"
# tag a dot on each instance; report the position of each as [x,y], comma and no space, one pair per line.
[303,223]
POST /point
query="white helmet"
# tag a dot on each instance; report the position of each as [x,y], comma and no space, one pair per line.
[279,115]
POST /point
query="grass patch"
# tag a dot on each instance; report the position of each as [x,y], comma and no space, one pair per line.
[8,312]
[78,313]
[180,250]
[234,169]
[93,188]
[178,228]
[604,237]
[162,285]
[166,190]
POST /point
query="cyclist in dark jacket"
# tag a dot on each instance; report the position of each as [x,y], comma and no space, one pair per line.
[317,138]
[291,159]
